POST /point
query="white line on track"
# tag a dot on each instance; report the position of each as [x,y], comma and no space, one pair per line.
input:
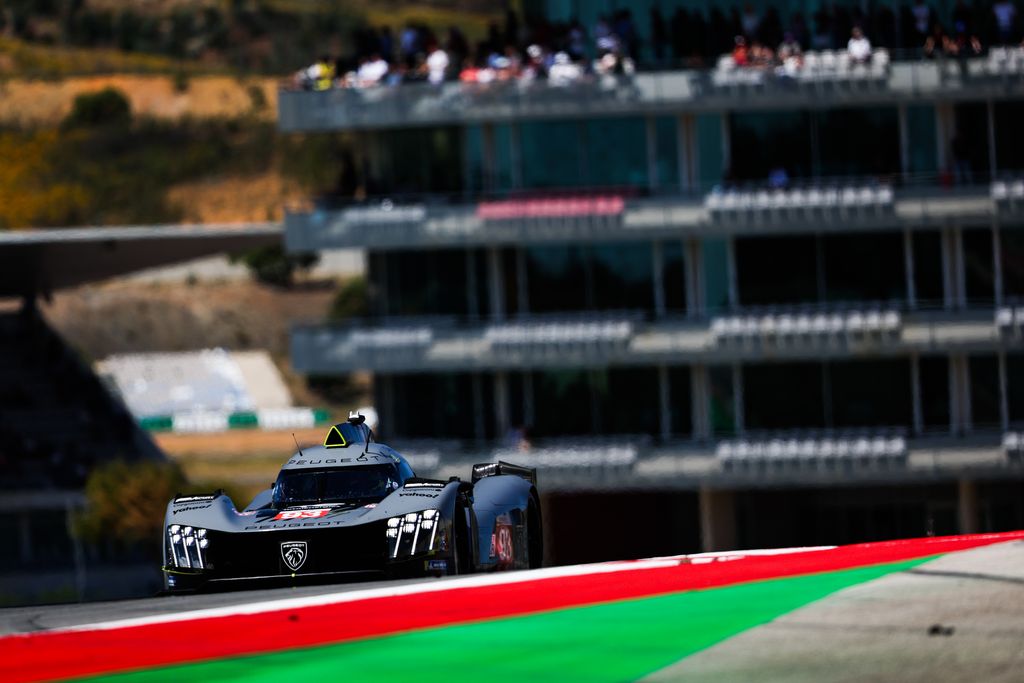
[399,590]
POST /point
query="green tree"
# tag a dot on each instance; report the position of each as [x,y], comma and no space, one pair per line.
[107,107]
[126,501]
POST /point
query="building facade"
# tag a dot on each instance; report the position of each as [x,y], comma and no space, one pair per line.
[785,311]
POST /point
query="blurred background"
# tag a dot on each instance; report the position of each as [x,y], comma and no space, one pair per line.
[730,275]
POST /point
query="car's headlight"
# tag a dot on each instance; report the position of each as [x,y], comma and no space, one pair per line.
[415,532]
[186,547]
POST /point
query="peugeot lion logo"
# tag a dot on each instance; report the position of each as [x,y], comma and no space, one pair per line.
[294,554]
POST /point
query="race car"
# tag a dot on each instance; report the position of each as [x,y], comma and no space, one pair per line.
[355,506]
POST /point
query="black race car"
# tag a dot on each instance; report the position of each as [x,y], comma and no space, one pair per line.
[355,506]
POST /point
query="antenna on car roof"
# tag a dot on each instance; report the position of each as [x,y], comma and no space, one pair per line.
[297,446]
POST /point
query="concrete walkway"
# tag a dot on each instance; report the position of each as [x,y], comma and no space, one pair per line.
[956,618]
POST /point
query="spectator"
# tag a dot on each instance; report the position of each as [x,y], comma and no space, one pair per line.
[789,46]
[740,53]
[859,47]
[564,72]
[1005,15]
[750,22]
[822,38]
[964,43]
[922,18]
[604,39]
[937,43]
[437,65]
[577,41]
[778,179]
[387,44]
[409,44]
[372,71]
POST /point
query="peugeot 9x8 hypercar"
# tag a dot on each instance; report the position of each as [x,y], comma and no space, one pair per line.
[355,506]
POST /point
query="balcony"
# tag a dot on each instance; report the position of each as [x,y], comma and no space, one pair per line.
[996,76]
[820,206]
[786,458]
[602,339]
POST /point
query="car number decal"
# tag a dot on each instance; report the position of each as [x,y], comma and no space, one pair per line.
[302,514]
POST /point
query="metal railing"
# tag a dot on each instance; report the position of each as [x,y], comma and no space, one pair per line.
[419,104]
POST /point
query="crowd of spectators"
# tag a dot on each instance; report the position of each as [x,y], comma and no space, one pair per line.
[564,52]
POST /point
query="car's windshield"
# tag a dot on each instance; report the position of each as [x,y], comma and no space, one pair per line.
[338,485]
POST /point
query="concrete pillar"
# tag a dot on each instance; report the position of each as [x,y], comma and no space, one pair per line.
[915,392]
[651,138]
[699,402]
[967,507]
[689,269]
[997,264]
[522,292]
[516,155]
[717,520]
[1004,398]
[496,283]
[478,407]
[992,149]
[734,289]
[664,403]
[908,268]
[472,302]
[489,154]
[657,263]
[945,127]
[737,398]
[685,152]
[960,268]
[901,112]
[501,413]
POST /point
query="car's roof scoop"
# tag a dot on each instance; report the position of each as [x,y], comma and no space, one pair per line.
[344,434]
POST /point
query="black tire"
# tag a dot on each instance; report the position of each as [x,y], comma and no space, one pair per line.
[534,535]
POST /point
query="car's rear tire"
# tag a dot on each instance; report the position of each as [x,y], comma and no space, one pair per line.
[534,535]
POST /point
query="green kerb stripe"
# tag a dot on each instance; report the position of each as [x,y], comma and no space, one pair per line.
[617,641]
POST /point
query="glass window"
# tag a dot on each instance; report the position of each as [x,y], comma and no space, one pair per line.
[871,393]
[510,277]
[968,148]
[622,275]
[422,160]
[721,406]
[616,152]
[434,406]
[761,260]
[864,267]
[1009,136]
[427,282]
[628,400]
[933,372]
[1015,387]
[673,276]
[680,401]
[711,169]
[552,155]
[557,278]
[858,142]
[921,137]
[783,396]
[979,272]
[715,257]
[764,140]
[1011,247]
[562,403]
[667,148]
[984,371]
[928,287]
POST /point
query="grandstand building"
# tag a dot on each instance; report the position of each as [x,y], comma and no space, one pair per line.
[832,356]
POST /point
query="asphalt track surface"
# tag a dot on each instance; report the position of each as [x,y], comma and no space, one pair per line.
[49,617]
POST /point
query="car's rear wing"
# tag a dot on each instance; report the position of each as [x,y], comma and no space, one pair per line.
[492,469]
